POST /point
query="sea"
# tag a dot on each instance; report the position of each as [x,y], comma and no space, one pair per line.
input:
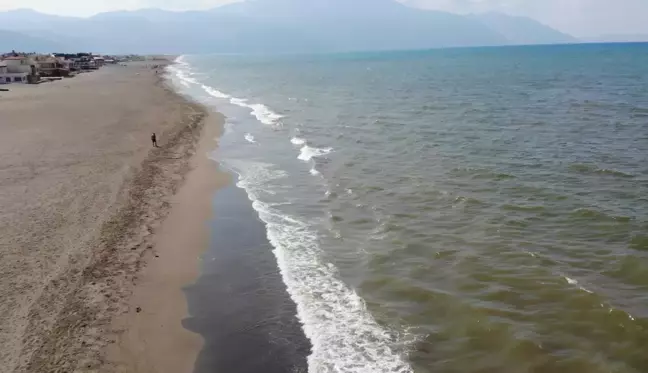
[453,210]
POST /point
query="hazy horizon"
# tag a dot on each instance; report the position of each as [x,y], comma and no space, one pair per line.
[579,18]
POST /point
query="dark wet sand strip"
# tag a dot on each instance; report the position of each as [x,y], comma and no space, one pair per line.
[240,304]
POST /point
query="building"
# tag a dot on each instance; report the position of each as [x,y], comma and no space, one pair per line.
[20,69]
[99,61]
[52,66]
[76,61]
[6,77]
[86,63]
[21,64]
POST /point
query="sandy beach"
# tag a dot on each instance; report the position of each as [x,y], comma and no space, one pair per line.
[86,251]
[150,338]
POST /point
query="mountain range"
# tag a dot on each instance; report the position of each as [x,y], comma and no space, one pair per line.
[14,40]
[271,26]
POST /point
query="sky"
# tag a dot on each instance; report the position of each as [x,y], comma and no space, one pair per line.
[85,8]
[580,18]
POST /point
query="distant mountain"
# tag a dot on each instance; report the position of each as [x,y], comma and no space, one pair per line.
[523,30]
[27,19]
[276,26]
[20,42]
[343,25]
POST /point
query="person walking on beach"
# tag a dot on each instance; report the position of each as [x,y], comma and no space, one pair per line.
[154,140]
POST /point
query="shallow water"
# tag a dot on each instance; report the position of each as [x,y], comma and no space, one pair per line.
[451,210]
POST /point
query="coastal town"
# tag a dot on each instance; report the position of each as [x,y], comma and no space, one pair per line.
[32,68]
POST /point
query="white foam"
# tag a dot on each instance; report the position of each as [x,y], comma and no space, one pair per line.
[181,72]
[186,78]
[256,174]
[264,114]
[250,138]
[313,171]
[571,281]
[344,335]
[181,60]
[214,92]
[307,153]
[297,141]
[261,112]
[239,101]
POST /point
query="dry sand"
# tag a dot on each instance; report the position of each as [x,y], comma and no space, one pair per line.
[82,198]
[151,338]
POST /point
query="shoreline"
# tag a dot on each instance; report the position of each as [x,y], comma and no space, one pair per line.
[80,256]
[151,335]
[240,304]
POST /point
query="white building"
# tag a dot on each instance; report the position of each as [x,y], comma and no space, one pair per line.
[21,64]
[20,69]
[6,77]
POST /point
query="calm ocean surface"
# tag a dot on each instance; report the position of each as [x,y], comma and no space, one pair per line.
[461,210]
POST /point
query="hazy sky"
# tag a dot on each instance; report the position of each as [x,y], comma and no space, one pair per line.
[91,7]
[577,17]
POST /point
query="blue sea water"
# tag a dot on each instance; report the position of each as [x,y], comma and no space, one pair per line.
[455,210]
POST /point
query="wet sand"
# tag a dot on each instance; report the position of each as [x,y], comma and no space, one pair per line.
[83,198]
[240,305]
[151,337]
